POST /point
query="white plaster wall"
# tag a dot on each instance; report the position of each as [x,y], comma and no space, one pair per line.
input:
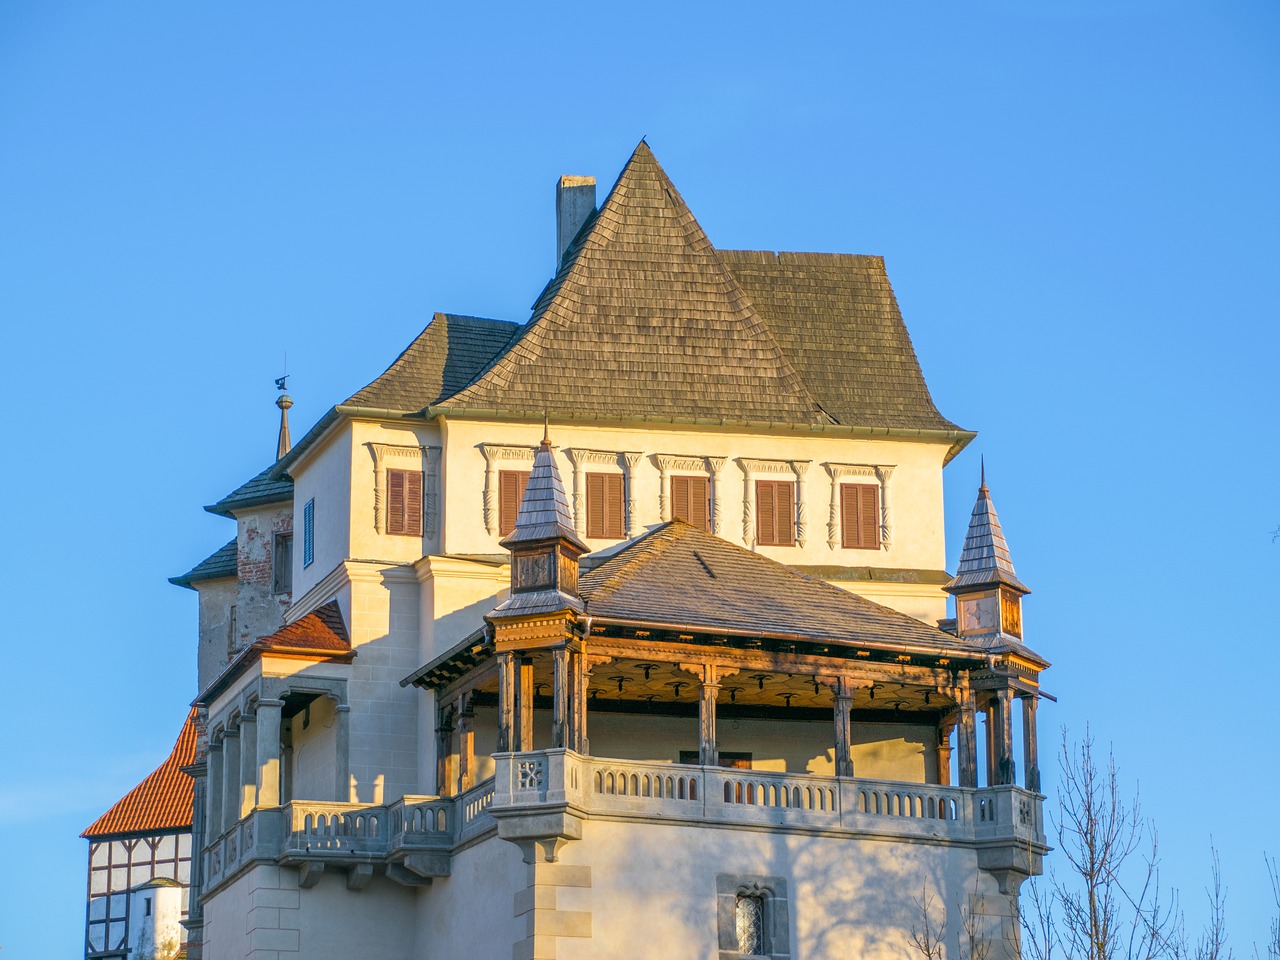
[216,600]
[848,897]
[323,473]
[881,751]
[471,912]
[313,775]
[365,539]
[263,915]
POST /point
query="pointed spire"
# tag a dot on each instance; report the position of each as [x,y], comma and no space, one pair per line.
[284,444]
[985,559]
[544,510]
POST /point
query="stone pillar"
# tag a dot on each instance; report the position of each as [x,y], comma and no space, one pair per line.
[199,806]
[561,732]
[967,738]
[466,744]
[716,467]
[708,754]
[268,751]
[944,752]
[248,763]
[213,795]
[1030,749]
[800,468]
[749,511]
[632,460]
[1004,766]
[524,705]
[342,760]
[844,728]
[230,779]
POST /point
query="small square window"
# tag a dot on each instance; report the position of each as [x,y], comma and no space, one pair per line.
[404,502]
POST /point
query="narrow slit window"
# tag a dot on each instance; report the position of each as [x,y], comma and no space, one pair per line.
[309,532]
[282,564]
[750,925]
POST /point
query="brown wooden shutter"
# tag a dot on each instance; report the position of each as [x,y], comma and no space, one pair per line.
[680,498]
[404,502]
[395,501]
[775,513]
[511,484]
[413,502]
[604,506]
[860,516]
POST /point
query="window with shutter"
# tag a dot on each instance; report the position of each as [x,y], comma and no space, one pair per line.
[691,501]
[404,502]
[775,513]
[860,516]
[309,532]
[282,564]
[604,506]
[511,484]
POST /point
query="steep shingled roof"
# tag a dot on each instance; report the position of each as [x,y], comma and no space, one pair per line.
[644,319]
[838,321]
[161,802]
[678,574]
[321,629]
[270,486]
[223,562]
[443,359]
[985,559]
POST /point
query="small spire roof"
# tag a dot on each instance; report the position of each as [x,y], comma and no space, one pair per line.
[985,559]
[544,510]
[284,444]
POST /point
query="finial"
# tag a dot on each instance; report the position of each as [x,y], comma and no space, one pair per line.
[983,461]
[283,444]
[546,430]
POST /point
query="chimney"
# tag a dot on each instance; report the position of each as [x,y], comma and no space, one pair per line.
[575,201]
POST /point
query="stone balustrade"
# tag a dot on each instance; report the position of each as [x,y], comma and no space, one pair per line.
[344,834]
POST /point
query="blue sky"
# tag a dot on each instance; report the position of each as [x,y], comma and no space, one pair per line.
[1077,202]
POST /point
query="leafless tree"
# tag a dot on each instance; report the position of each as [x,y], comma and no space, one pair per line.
[1212,944]
[1107,904]
[928,935]
[1273,932]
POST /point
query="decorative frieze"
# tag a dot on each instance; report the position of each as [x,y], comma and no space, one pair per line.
[859,473]
[401,456]
[495,455]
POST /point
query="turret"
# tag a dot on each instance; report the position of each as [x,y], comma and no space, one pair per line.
[988,593]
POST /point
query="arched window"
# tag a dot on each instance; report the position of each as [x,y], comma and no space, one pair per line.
[750,925]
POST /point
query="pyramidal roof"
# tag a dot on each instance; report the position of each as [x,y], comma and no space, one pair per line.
[644,319]
[985,559]
[161,802]
[544,509]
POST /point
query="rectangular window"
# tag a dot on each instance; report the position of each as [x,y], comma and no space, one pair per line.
[691,501]
[860,516]
[282,564]
[404,502]
[511,484]
[309,532]
[604,506]
[775,513]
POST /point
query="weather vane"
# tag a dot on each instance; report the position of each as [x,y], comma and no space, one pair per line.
[281,382]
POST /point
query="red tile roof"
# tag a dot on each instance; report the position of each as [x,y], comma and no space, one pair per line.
[321,629]
[159,803]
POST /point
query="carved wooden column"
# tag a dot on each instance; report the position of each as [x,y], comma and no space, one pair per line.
[1004,766]
[524,704]
[708,754]
[966,737]
[844,727]
[506,702]
[444,749]
[1030,749]
[466,744]
[269,752]
[944,751]
[562,696]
